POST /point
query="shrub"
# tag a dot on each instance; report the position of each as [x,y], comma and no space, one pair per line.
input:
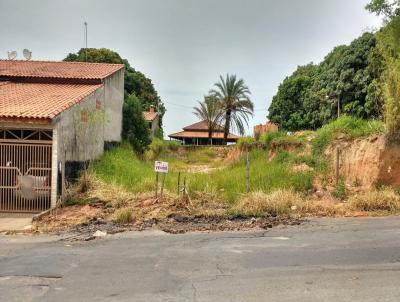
[340,190]
[245,142]
[276,203]
[173,146]
[123,216]
[156,149]
[134,127]
[377,200]
[271,136]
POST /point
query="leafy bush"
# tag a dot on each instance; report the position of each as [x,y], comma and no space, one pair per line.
[134,128]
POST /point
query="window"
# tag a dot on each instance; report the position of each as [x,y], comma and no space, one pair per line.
[84,116]
[98,104]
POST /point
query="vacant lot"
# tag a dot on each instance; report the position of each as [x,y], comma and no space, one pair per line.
[279,179]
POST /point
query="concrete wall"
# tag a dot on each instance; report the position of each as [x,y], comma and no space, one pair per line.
[81,130]
[114,100]
[154,126]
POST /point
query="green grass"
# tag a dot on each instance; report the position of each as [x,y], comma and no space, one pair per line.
[350,127]
[122,167]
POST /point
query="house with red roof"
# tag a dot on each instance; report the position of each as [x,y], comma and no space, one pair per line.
[54,118]
[197,134]
[152,118]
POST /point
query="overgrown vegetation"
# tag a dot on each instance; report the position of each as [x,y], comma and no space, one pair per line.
[385,199]
[308,99]
[345,127]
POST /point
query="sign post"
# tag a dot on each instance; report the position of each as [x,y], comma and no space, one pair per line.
[160,167]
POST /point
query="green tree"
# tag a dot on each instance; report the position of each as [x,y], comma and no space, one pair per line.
[309,98]
[135,82]
[210,111]
[135,129]
[389,49]
[234,98]
[287,108]
[387,8]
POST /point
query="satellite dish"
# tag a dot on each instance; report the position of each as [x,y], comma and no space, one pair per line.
[27,54]
[12,55]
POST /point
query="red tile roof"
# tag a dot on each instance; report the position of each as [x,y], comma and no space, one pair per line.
[202,126]
[150,116]
[39,103]
[57,70]
[202,134]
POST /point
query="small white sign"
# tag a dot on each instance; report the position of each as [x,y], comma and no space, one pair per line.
[161,167]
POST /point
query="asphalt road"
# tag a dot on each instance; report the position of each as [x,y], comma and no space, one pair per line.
[324,260]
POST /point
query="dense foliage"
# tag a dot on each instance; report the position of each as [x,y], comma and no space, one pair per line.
[388,8]
[308,99]
[136,83]
[135,129]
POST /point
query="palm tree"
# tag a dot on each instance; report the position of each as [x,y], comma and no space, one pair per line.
[210,111]
[234,99]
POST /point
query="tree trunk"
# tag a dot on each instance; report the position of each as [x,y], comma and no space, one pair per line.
[210,136]
[227,125]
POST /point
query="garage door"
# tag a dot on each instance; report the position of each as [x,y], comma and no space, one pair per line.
[25,174]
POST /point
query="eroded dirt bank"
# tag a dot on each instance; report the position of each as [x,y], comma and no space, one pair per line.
[368,162]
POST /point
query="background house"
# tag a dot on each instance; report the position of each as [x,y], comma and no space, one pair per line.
[153,120]
[267,128]
[54,116]
[197,134]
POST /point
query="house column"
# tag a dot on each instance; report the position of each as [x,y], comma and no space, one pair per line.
[54,169]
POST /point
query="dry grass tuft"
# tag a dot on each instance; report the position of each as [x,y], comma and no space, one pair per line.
[320,208]
[379,200]
[111,193]
[278,202]
[123,216]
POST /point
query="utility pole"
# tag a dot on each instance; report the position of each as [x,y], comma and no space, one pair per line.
[86,38]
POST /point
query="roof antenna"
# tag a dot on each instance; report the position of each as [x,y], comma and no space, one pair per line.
[12,55]
[27,54]
[86,36]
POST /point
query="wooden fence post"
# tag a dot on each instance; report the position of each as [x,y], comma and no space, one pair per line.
[179,183]
[156,185]
[162,184]
[247,172]
[337,165]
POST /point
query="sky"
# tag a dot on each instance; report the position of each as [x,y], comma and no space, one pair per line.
[185,45]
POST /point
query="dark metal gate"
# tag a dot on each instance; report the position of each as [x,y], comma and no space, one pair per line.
[25,170]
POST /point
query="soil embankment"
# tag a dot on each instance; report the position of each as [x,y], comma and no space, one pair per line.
[367,162]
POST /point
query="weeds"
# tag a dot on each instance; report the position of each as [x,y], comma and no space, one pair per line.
[378,200]
[348,126]
[276,203]
[124,216]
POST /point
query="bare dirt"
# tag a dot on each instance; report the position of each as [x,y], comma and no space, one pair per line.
[81,222]
[367,162]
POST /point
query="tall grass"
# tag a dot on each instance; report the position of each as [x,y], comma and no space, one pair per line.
[348,126]
[122,167]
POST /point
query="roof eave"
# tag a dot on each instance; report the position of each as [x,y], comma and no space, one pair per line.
[25,121]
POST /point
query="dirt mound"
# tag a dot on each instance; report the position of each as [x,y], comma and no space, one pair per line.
[367,162]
